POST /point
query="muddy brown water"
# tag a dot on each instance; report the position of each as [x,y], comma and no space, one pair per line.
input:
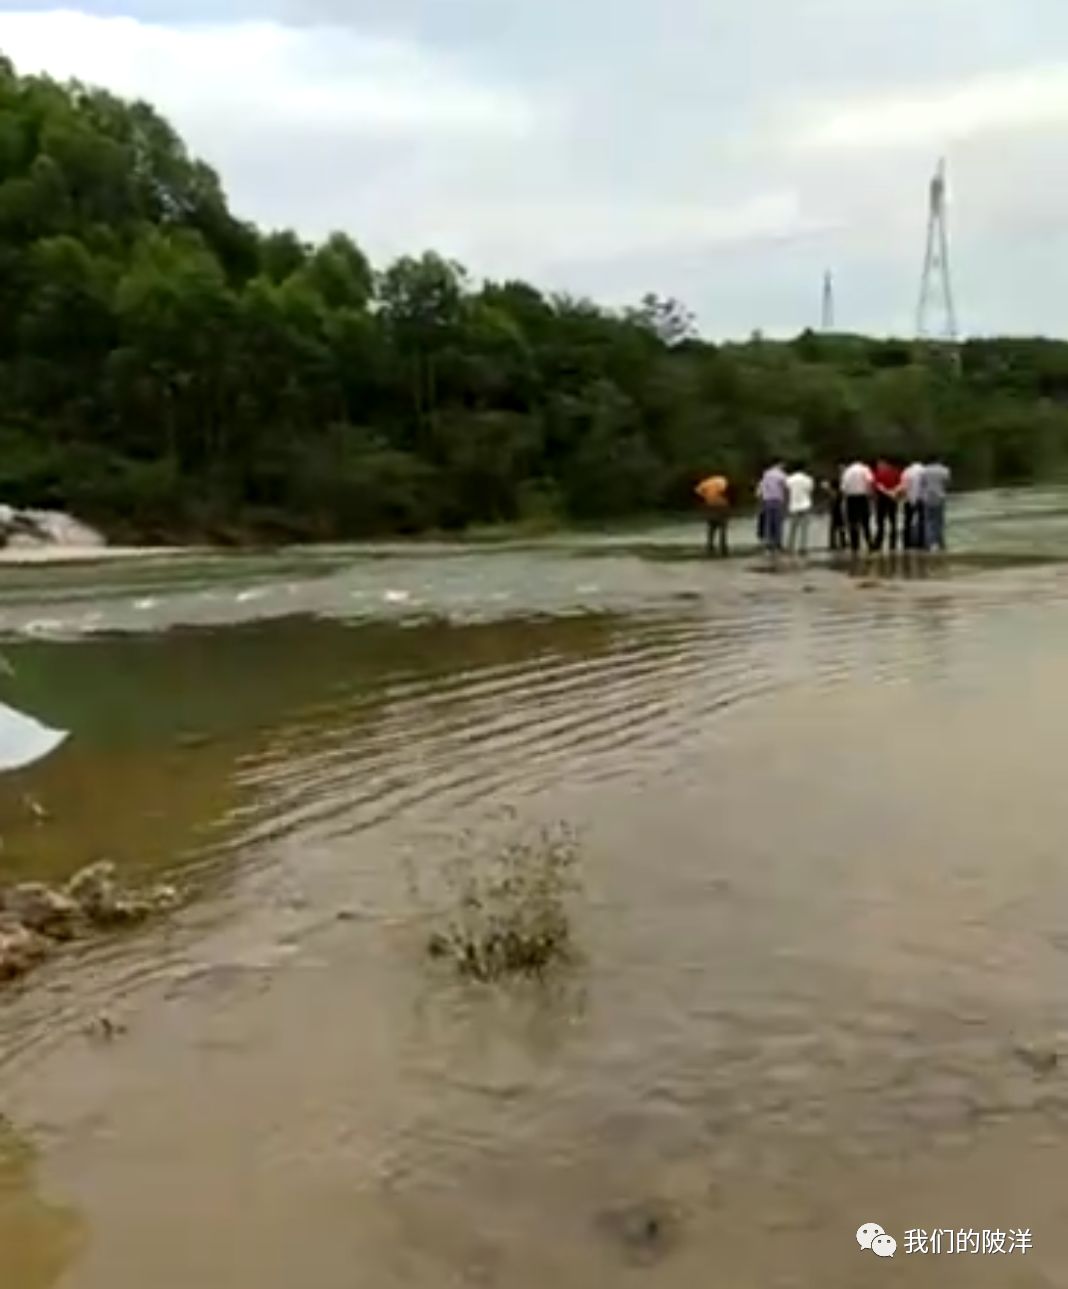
[824,910]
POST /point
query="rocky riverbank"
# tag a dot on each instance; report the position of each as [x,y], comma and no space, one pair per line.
[35,918]
[31,529]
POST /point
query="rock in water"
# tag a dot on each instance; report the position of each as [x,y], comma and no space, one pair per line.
[103,901]
[164,898]
[105,1029]
[646,1232]
[32,528]
[40,909]
[94,889]
[20,949]
[34,917]
[1042,1060]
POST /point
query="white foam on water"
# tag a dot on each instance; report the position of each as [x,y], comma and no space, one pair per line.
[44,627]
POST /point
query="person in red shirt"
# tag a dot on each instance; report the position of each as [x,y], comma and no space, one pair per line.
[887,502]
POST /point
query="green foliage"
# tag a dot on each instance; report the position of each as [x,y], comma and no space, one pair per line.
[170,371]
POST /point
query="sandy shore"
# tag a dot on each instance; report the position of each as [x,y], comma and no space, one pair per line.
[89,554]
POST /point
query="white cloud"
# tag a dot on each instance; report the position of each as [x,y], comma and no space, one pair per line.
[1032,98]
[324,127]
[619,146]
[548,229]
[262,73]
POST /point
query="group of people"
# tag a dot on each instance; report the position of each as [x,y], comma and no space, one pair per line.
[870,506]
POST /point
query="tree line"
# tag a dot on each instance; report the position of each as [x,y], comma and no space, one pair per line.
[170,371]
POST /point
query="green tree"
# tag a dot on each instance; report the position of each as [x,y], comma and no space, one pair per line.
[170,370]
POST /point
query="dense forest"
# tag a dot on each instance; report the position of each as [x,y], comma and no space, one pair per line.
[169,371]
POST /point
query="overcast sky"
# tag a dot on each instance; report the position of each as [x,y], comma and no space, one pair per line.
[719,151]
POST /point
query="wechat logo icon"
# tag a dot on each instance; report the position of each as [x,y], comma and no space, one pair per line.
[871,1236]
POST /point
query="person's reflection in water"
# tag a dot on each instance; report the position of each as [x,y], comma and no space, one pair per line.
[936,620]
[915,566]
[39,1242]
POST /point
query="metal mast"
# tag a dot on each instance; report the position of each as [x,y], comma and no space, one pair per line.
[827,316]
[936,316]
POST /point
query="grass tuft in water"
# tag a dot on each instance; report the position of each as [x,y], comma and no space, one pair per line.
[511,906]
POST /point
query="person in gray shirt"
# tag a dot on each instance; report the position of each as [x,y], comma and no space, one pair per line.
[933,490]
[772,492]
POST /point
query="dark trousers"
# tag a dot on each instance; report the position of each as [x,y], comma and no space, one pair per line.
[717,534]
[858,517]
[915,535]
[773,516]
[836,539]
[886,509]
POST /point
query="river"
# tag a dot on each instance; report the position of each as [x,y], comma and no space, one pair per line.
[823,915]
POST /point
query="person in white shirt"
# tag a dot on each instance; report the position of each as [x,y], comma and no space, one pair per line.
[858,484]
[800,486]
[912,488]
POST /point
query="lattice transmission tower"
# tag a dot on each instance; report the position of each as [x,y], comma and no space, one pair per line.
[936,316]
[827,312]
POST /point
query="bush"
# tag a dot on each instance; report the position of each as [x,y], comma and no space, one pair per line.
[511,915]
[540,504]
[355,487]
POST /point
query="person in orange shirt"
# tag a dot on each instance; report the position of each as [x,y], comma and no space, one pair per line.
[715,493]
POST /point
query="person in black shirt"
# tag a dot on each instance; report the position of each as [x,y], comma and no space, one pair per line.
[836,537]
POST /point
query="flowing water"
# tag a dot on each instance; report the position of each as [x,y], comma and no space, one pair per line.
[823,916]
